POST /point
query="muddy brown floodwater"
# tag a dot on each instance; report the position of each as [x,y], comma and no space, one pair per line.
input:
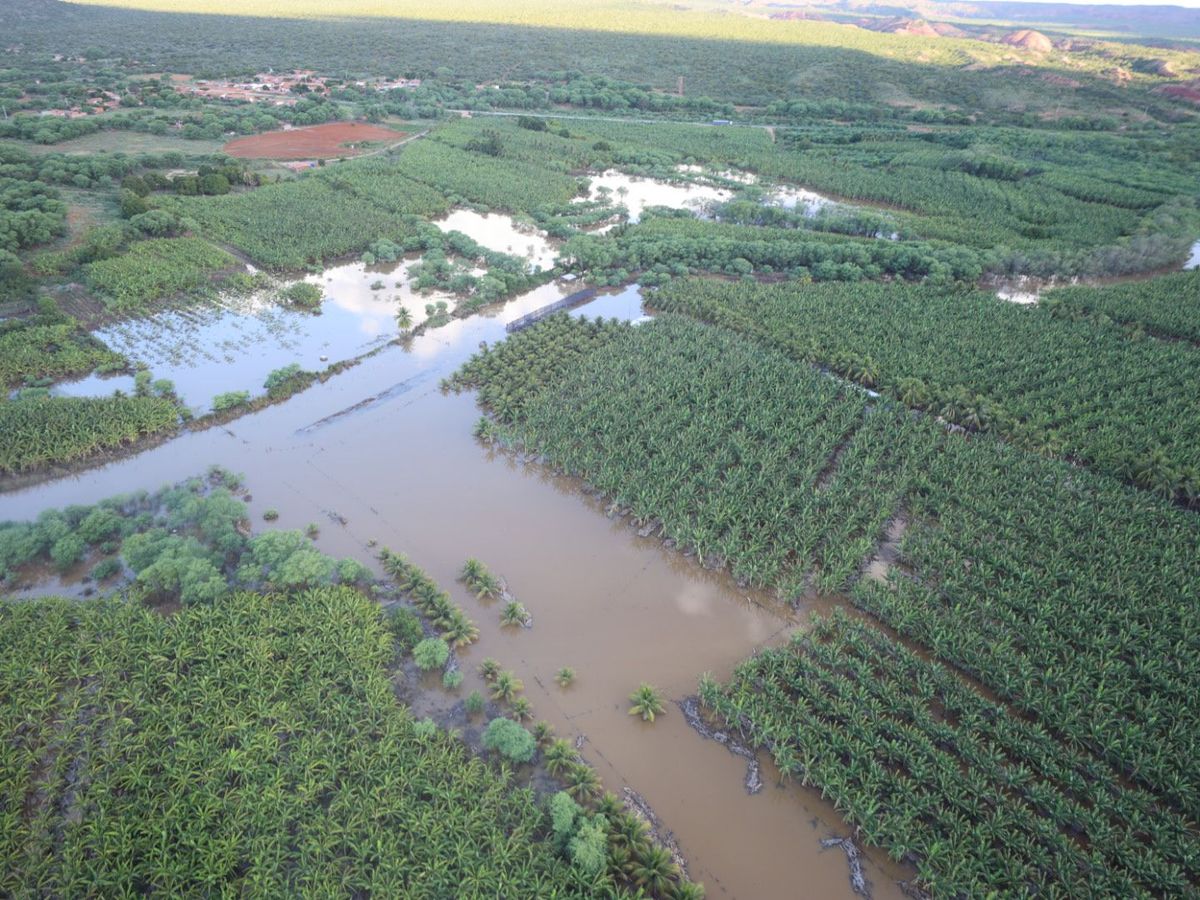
[381,449]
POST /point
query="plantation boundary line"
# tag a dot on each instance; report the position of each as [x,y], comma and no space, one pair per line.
[538,314]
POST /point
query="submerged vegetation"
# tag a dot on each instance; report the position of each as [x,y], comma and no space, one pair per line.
[824,399]
[433,603]
[741,456]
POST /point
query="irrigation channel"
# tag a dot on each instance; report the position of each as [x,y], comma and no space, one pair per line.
[380,454]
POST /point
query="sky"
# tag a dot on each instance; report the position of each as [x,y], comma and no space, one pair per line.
[1186,4]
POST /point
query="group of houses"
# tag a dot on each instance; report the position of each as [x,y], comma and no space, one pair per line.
[265,87]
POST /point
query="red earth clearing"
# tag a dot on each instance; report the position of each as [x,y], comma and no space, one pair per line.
[316,141]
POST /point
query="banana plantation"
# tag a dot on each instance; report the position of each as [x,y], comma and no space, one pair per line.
[41,431]
[250,746]
[789,419]
[789,476]
[1073,389]
[981,800]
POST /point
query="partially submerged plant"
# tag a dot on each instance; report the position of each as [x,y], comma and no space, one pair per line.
[480,580]
[489,670]
[647,702]
[506,687]
[565,676]
[514,614]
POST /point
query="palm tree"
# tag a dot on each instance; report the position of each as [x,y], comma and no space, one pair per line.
[655,871]
[489,669]
[913,392]
[404,320]
[647,702]
[522,710]
[506,687]
[543,732]
[582,782]
[687,890]
[608,805]
[514,614]
[472,569]
[558,756]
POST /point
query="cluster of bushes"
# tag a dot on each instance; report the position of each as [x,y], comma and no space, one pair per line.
[190,542]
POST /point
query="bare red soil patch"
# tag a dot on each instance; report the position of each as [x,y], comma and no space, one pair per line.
[313,142]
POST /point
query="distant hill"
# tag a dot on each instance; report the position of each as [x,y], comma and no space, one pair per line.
[1132,21]
[1029,40]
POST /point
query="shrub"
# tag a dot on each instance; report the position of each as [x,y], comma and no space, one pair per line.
[230,400]
[564,812]
[431,653]
[106,569]
[451,681]
[425,728]
[510,740]
[302,294]
[283,380]
[474,703]
[406,627]
[351,571]
[589,847]
[270,515]
[68,550]
[99,525]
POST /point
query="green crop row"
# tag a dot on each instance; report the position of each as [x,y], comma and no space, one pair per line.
[1064,592]
[44,431]
[254,746]
[479,177]
[1168,306]
[979,800]
[155,269]
[291,224]
[1076,389]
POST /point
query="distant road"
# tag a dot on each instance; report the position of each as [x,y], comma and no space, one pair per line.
[534,114]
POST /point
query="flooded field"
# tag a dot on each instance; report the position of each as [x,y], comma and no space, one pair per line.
[235,343]
[379,454]
[501,233]
[636,194]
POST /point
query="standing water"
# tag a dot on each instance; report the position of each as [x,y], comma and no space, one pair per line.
[379,456]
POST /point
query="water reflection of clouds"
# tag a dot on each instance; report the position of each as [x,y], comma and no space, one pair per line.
[636,194]
[500,233]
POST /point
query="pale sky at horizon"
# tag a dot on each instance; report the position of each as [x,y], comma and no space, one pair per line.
[1186,4]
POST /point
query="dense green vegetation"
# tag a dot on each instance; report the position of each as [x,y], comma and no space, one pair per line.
[1073,388]
[1168,306]
[253,745]
[840,412]
[42,431]
[662,247]
[306,221]
[1064,592]
[982,801]
[483,177]
[50,345]
[721,55]
[742,478]
[155,269]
